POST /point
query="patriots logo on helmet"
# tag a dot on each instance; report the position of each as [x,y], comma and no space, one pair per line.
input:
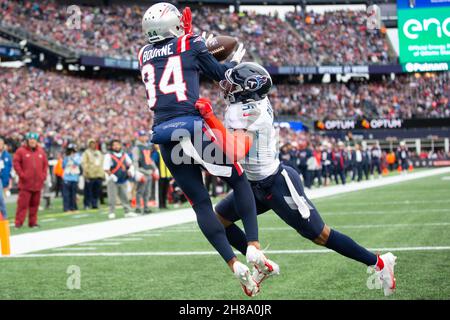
[255,82]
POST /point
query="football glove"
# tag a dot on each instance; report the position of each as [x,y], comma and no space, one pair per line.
[187,20]
[238,54]
[204,106]
[207,38]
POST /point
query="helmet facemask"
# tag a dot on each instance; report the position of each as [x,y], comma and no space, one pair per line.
[229,87]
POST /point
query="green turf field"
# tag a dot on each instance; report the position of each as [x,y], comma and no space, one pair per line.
[405,215]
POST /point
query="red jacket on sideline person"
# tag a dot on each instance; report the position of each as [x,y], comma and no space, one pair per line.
[31,166]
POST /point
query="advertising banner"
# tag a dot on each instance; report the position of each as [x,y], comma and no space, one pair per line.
[423,31]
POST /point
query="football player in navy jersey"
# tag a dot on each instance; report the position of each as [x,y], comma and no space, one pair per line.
[170,67]
[277,186]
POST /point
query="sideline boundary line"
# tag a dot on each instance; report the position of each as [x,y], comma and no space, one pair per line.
[55,238]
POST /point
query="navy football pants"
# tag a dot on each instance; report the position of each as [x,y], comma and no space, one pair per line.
[189,178]
[272,193]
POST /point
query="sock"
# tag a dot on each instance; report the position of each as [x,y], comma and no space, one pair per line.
[237,238]
[348,247]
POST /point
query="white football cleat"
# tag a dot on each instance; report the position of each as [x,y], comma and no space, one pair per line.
[242,273]
[387,273]
[112,216]
[130,215]
[263,267]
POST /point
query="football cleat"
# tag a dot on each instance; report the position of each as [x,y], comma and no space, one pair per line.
[242,273]
[386,274]
[263,268]
[259,275]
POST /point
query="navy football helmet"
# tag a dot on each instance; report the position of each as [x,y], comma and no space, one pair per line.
[246,82]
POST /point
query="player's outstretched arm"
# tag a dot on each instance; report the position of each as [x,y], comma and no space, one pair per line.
[210,67]
[234,144]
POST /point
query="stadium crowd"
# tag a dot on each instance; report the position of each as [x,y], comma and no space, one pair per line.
[68,107]
[305,38]
[340,37]
[406,96]
[65,107]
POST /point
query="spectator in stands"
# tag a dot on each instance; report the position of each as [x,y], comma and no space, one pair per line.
[31,165]
[72,173]
[118,167]
[93,173]
[144,164]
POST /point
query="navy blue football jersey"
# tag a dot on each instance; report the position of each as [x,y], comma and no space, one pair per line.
[170,71]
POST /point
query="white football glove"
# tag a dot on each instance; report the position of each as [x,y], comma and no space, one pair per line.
[238,54]
[209,37]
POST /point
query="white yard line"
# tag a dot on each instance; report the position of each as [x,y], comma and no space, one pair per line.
[207,253]
[79,216]
[98,244]
[74,249]
[349,226]
[49,239]
[125,239]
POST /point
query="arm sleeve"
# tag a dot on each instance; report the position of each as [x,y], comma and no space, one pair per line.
[17,164]
[207,63]
[8,167]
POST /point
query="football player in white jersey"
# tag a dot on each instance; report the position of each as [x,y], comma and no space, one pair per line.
[275,186]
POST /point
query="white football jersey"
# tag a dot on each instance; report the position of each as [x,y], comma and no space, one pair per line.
[257,118]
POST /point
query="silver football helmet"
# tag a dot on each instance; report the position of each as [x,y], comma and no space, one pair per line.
[162,21]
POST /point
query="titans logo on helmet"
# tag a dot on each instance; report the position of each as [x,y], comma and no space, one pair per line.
[255,82]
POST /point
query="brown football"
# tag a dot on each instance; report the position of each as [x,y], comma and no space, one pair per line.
[221,46]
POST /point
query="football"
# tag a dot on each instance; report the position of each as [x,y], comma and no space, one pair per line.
[221,46]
